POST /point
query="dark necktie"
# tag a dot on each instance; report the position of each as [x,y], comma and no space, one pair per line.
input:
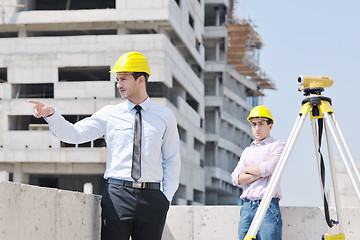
[136,159]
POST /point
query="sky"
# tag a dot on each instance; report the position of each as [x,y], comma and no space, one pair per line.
[308,37]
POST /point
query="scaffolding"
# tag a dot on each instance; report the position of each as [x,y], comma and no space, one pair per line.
[243,52]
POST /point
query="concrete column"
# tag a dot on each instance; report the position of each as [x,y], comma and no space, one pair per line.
[122,30]
[88,188]
[19,175]
[217,85]
[175,93]
[217,121]
[217,52]
[22,32]
[217,17]
[4,176]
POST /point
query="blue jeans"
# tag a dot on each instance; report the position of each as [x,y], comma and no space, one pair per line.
[271,226]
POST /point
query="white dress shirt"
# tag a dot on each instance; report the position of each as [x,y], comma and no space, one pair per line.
[160,149]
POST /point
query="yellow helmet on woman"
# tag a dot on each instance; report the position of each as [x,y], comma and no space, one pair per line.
[260,112]
[132,62]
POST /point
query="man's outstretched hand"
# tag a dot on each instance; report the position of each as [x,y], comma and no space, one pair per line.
[42,109]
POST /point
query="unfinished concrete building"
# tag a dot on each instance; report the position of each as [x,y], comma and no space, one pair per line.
[233,85]
[203,64]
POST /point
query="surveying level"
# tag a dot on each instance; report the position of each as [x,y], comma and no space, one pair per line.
[320,108]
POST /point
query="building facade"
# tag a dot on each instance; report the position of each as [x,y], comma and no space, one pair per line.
[60,53]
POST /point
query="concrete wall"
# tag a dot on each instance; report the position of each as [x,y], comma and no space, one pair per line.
[34,213]
[29,212]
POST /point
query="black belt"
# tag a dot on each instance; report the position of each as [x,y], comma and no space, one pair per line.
[139,185]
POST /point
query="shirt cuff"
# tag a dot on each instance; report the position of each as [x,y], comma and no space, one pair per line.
[53,117]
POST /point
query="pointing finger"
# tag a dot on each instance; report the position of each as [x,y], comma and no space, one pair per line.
[35,102]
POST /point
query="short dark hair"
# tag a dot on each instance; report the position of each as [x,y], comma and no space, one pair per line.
[136,75]
[268,120]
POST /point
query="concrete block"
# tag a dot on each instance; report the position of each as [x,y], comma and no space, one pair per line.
[216,222]
[302,222]
[34,213]
[26,212]
[180,222]
[79,214]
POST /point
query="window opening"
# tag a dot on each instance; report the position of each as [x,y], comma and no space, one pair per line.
[3,75]
[78,74]
[33,90]
[73,4]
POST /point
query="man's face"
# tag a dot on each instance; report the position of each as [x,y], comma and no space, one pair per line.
[127,85]
[260,128]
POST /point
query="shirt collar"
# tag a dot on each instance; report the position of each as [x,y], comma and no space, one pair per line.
[144,105]
[262,142]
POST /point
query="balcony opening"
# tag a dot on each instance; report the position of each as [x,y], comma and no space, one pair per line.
[252,98]
[198,71]
[177,91]
[84,145]
[198,146]
[8,34]
[210,123]
[182,133]
[192,102]
[72,4]
[3,75]
[215,15]
[180,196]
[72,33]
[33,90]
[210,52]
[210,86]
[154,90]
[99,143]
[191,21]
[68,182]
[199,196]
[78,74]
[157,89]
[26,122]
[197,44]
[210,151]
[142,31]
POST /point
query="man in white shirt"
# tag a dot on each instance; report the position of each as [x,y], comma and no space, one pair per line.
[143,153]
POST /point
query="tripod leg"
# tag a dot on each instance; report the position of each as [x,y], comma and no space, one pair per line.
[334,179]
[274,181]
[337,142]
[337,126]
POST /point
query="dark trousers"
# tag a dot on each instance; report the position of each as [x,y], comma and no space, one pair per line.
[139,213]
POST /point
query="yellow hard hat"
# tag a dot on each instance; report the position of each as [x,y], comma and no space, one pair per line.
[132,62]
[260,112]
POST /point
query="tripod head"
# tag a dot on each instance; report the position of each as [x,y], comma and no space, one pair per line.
[313,84]
[312,87]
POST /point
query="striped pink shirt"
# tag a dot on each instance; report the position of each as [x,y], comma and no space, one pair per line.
[257,154]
